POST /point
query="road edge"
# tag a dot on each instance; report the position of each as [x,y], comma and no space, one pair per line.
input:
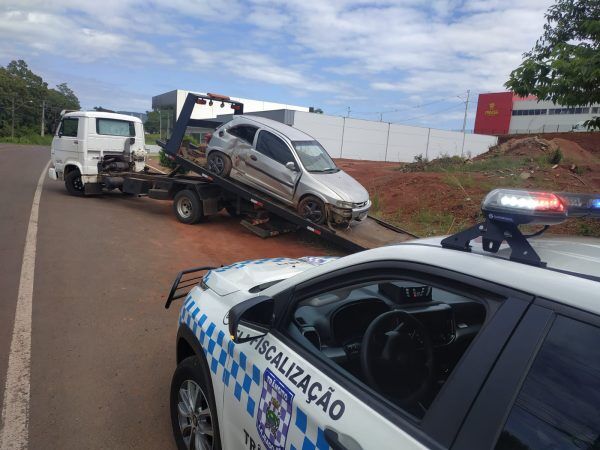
[14,433]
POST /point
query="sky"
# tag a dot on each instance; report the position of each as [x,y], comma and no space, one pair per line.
[404,61]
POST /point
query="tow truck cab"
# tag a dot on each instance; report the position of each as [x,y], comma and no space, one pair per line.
[91,142]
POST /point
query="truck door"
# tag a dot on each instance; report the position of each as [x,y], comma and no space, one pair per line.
[66,145]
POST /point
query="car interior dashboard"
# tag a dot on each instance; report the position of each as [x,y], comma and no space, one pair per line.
[335,323]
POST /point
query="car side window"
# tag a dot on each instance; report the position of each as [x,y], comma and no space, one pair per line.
[244,132]
[398,337]
[559,403]
[69,127]
[270,145]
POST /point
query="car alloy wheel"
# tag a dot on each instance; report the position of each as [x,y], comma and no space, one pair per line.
[312,210]
[195,418]
[216,164]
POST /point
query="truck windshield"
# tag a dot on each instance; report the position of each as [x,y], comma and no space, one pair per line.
[314,157]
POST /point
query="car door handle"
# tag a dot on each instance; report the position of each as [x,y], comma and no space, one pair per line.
[253,158]
[338,441]
[75,142]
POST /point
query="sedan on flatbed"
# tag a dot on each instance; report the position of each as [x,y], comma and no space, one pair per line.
[289,165]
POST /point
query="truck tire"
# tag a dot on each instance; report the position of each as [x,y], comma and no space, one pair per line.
[219,163]
[74,184]
[313,209]
[193,407]
[187,207]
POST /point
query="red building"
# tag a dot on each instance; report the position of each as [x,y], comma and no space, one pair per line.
[507,113]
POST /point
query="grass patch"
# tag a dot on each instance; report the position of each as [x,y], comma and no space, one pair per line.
[432,223]
[31,139]
[151,138]
[376,204]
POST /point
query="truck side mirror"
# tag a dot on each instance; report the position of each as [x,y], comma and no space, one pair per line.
[131,140]
[256,315]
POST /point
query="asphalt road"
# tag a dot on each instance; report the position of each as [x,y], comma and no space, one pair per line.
[102,342]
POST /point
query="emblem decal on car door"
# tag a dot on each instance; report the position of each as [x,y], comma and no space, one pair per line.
[274,412]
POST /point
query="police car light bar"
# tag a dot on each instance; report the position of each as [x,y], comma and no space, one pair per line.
[538,207]
[505,209]
[525,207]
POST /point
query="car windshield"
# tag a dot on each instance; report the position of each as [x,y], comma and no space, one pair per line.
[314,157]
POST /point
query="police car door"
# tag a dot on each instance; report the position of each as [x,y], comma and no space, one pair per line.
[275,400]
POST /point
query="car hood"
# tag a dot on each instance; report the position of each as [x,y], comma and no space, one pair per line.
[346,187]
[246,275]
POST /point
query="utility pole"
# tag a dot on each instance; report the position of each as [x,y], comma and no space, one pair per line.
[43,112]
[381,117]
[348,114]
[462,150]
[12,127]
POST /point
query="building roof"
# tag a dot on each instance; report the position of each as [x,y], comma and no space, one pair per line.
[103,115]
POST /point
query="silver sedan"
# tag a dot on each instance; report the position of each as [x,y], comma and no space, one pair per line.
[289,165]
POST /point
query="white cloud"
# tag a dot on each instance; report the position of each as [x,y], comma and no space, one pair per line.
[417,46]
[259,67]
[41,32]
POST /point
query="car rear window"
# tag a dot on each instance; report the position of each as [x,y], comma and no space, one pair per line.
[115,127]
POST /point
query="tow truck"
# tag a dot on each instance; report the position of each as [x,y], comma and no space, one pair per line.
[204,193]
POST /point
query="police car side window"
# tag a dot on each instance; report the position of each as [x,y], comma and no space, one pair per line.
[336,323]
[559,403]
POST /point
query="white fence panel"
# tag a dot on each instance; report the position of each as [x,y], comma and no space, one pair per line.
[406,142]
[364,139]
[380,141]
[476,144]
[326,129]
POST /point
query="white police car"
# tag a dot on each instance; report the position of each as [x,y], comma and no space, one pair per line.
[464,342]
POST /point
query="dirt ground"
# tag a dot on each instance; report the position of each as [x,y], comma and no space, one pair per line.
[443,196]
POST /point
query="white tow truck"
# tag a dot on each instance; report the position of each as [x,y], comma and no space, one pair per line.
[88,146]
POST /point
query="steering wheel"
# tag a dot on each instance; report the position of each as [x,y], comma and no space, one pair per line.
[391,360]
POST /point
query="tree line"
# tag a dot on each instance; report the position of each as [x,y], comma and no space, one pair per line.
[27,105]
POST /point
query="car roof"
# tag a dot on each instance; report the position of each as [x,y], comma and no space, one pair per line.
[573,254]
[103,115]
[293,134]
[561,287]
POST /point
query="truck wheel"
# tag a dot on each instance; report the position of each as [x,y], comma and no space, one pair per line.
[74,184]
[193,410]
[313,209]
[187,206]
[219,163]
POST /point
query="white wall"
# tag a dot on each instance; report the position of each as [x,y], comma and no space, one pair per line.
[380,141]
[325,129]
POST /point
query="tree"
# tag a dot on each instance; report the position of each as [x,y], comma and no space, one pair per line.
[57,100]
[152,124]
[25,93]
[564,64]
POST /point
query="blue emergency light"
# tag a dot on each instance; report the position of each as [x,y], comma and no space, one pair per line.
[505,209]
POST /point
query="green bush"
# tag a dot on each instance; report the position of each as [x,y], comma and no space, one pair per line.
[29,139]
[556,156]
